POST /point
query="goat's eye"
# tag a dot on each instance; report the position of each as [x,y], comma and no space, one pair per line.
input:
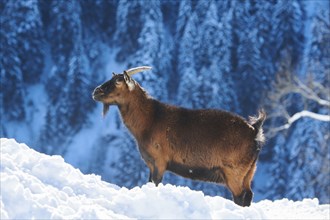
[118,81]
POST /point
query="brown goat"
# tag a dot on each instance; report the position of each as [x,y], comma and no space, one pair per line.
[207,145]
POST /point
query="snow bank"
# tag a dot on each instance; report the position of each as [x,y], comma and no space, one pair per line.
[38,186]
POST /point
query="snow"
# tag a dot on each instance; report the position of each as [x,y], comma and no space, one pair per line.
[38,186]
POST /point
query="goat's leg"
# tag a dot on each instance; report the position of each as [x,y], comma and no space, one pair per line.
[151,169]
[150,163]
[156,167]
[238,194]
[248,197]
[158,172]
[247,185]
[150,177]
[235,184]
[156,176]
[239,200]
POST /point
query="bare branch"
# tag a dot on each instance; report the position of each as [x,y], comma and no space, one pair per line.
[285,84]
[308,114]
[308,93]
[272,132]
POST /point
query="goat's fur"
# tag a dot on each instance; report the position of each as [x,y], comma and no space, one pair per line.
[208,145]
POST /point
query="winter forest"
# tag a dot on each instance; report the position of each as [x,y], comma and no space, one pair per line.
[239,56]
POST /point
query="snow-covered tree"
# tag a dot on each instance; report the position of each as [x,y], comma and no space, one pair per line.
[149,45]
[99,16]
[184,13]
[79,89]
[213,62]
[301,165]
[188,76]
[153,51]
[264,17]
[12,87]
[69,85]
[128,27]
[64,27]
[300,119]
[309,179]
[247,64]
[98,20]
[21,53]
[288,30]
[318,52]
[21,22]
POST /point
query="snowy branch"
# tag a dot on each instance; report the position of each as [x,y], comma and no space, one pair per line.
[296,117]
[308,93]
[287,84]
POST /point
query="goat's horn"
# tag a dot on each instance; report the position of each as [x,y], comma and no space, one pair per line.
[137,69]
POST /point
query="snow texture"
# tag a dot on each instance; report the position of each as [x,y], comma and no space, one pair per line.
[38,186]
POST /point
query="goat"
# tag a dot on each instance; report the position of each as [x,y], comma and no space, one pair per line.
[207,145]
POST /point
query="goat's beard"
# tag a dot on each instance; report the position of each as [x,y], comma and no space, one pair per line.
[105,109]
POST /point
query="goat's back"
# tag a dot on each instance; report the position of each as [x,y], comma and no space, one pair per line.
[207,134]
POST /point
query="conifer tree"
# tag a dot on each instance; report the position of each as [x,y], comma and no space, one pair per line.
[288,30]
[128,28]
[20,35]
[189,78]
[153,50]
[306,139]
[213,62]
[319,54]
[69,85]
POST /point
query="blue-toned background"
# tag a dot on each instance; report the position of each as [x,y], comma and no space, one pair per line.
[233,55]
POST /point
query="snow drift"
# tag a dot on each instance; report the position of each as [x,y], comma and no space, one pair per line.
[38,186]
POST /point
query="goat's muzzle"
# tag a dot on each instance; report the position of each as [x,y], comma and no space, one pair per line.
[98,93]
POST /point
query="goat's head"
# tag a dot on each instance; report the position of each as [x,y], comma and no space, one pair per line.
[117,89]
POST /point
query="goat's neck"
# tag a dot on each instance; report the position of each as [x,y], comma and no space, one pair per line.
[137,113]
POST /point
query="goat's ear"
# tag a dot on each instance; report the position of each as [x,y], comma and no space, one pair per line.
[129,81]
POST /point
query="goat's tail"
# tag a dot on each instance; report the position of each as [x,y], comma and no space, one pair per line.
[257,123]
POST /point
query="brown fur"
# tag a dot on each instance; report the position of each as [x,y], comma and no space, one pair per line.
[207,145]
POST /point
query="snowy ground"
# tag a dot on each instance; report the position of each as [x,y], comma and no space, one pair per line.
[38,186]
